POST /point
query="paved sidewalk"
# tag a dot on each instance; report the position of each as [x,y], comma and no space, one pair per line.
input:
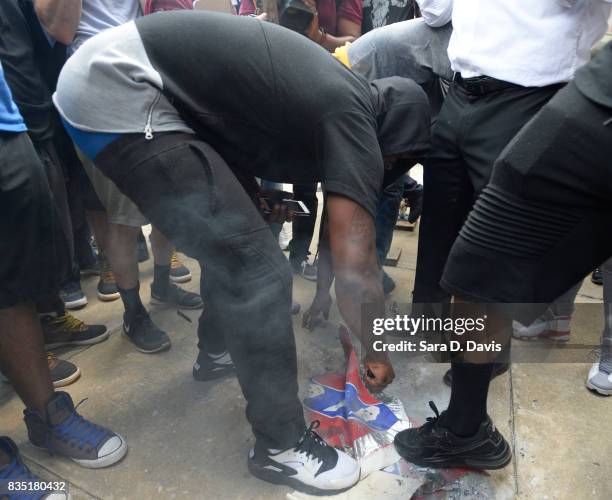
[190,439]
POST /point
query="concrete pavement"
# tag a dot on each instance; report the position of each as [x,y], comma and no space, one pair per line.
[189,439]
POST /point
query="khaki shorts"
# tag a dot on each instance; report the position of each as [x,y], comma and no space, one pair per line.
[119,208]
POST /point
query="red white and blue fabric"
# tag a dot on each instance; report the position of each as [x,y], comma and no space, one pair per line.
[351,418]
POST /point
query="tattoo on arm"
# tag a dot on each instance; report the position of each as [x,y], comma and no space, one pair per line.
[361,230]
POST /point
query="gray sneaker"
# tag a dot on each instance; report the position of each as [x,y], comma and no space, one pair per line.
[305,270]
[599,380]
[66,433]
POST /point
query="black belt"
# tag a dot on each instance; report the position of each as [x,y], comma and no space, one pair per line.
[480,85]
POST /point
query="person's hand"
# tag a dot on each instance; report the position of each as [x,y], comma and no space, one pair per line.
[378,374]
[273,209]
[318,311]
[313,31]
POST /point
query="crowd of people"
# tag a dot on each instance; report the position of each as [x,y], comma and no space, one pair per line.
[191,121]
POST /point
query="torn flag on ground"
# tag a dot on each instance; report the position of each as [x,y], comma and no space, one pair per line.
[351,418]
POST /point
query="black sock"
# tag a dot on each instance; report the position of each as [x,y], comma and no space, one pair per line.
[161,279]
[467,408]
[131,302]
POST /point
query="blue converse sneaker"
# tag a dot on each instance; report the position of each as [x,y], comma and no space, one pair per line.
[15,470]
[66,433]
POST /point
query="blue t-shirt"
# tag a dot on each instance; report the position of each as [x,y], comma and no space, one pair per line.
[10,118]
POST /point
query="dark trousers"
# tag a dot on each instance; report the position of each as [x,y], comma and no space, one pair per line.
[28,259]
[64,242]
[386,213]
[190,194]
[386,217]
[556,174]
[470,133]
[303,227]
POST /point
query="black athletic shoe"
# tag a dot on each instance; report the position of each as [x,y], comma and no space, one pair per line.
[65,330]
[107,286]
[145,335]
[62,372]
[177,297]
[433,445]
[212,366]
[498,369]
[311,466]
[597,277]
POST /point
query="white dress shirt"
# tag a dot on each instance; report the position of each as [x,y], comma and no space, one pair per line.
[527,42]
[436,13]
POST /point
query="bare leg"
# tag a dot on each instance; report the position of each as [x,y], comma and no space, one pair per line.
[162,248]
[22,355]
[121,251]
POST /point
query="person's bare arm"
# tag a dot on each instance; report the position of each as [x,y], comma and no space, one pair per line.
[353,251]
[346,31]
[60,18]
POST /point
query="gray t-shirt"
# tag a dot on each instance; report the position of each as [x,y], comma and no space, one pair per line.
[115,63]
[100,15]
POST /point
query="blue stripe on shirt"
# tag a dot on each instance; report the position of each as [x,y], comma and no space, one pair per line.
[90,143]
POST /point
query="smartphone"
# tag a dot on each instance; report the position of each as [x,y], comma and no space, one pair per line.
[298,207]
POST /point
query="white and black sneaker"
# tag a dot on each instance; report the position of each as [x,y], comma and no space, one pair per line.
[212,366]
[312,466]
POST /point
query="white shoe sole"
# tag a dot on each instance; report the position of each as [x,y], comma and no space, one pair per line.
[68,380]
[107,460]
[108,297]
[102,462]
[599,390]
[548,335]
[76,304]
[181,279]
[96,340]
[270,476]
[163,347]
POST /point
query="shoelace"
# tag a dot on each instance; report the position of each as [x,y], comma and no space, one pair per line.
[431,421]
[76,428]
[174,261]
[312,444]
[68,322]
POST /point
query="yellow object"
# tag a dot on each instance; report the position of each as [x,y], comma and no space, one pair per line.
[341,53]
